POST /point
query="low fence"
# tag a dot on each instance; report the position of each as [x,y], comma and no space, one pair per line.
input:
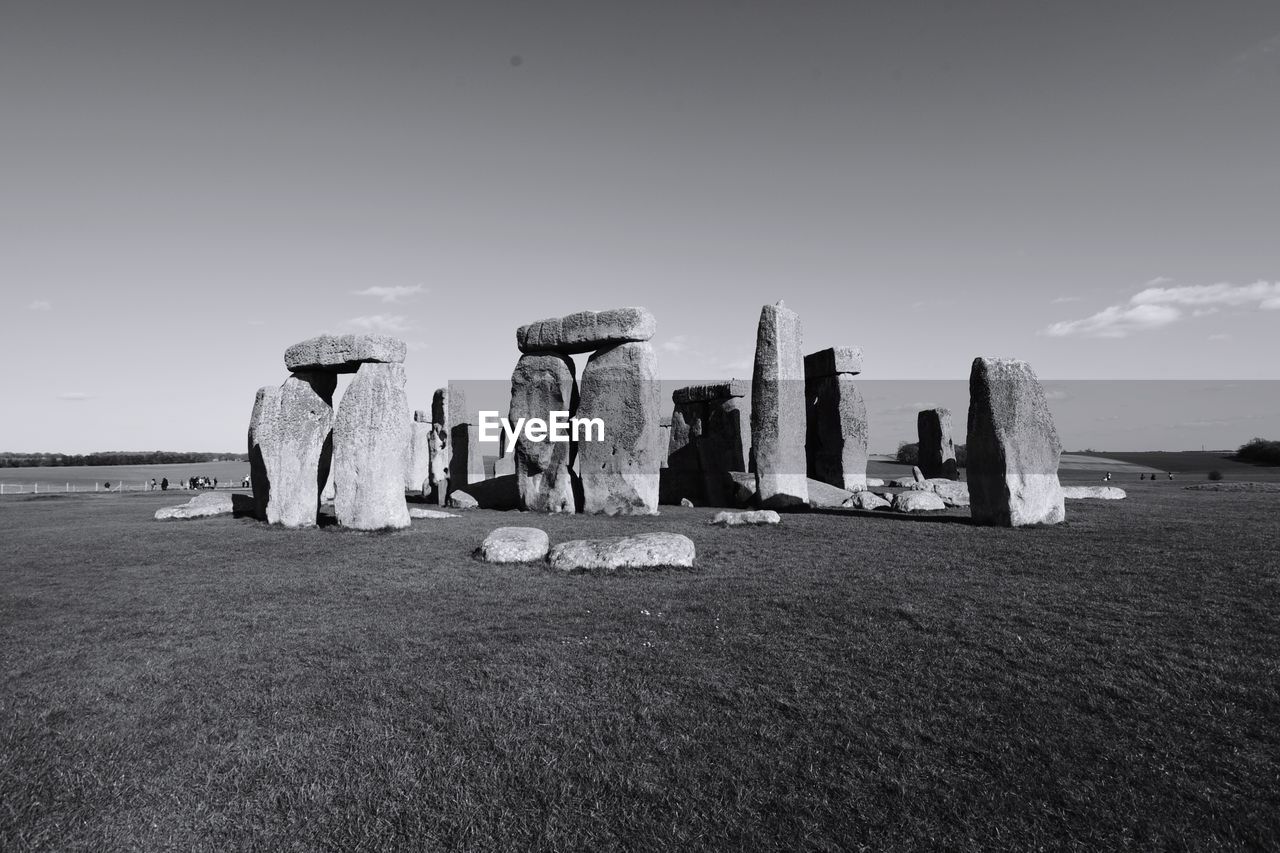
[104,486]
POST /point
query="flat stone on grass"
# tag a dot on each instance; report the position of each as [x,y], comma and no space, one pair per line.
[423,512]
[738,519]
[515,545]
[640,551]
[917,502]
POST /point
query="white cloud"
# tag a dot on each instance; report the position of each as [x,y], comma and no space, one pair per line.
[1155,307]
[1117,321]
[40,305]
[74,396]
[1158,280]
[1063,299]
[384,323]
[1266,294]
[391,294]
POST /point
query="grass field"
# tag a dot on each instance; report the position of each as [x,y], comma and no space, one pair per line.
[844,681]
[83,477]
[1197,464]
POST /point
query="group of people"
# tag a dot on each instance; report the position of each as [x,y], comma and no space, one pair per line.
[192,483]
[1107,478]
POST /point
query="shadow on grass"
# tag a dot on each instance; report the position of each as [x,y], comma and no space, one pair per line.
[889,515]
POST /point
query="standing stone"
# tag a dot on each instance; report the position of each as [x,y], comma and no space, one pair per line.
[683,480]
[466,463]
[439,471]
[665,426]
[778,410]
[290,447]
[505,464]
[620,474]
[371,445]
[937,452]
[540,384]
[418,475]
[836,441]
[1013,447]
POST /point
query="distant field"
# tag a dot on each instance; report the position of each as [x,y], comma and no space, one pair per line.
[844,681]
[83,478]
[1196,463]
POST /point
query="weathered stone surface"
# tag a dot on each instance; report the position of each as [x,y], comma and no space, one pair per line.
[686,502]
[205,505]
[683,477]
[1013,447]
[917,474]
[1106,493]
[466,460]
[542,383]
[917,502]
[903,482]
[836,432]
[505,465]
[952,492]
[620,474]
[290,448]
[461,500]
[738,519]
[832,362]
[586,331]
[423,512]
[937,451]
[724,446]
[515,545]
[643,550]
[778,410]
[438,478]
[825,494]
[866,500]
[712,391]
[343,353]
[418,475]
[874,483]
[496,493]
[371,446]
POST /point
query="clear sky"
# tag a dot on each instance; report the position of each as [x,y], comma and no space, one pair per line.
[188,188]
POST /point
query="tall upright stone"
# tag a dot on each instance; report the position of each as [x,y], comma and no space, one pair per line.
[836,418]
[438,481]
[418,474]
[778,410]
[290,446]
[466,462]
[710,437]
[937,451]
[1013,447]
[540,384]
[371,438]
[620,475]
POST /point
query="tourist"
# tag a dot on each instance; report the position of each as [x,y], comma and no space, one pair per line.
[164,484]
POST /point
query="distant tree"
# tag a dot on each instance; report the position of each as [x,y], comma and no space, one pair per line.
[113,457]
[909,453]
[1215,475]
[1259,451]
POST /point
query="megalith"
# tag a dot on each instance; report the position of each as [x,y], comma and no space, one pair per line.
[290,447]
[371,438]
[836,418]
[710,437]
[620,474]
[1013,447]
[418,474]
[540,384]
[937,451]
[586,331]
[778,410]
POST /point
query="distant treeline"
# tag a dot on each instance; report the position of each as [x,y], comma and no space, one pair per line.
[1260,452]
[909,454]
[114,457]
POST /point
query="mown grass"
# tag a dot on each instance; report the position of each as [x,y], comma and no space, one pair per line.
[844,681]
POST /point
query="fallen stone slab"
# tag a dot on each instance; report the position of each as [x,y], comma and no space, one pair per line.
[832,362]
[423,512]
[866,500]
[737,519]
[1105,493]
[826,495]
[712,391]
[203,506]
[952,492]
[640,551]
[515,545]
[917,502]
[461,500]
[904,483]
[875,483]
[343,353]
[586,331]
